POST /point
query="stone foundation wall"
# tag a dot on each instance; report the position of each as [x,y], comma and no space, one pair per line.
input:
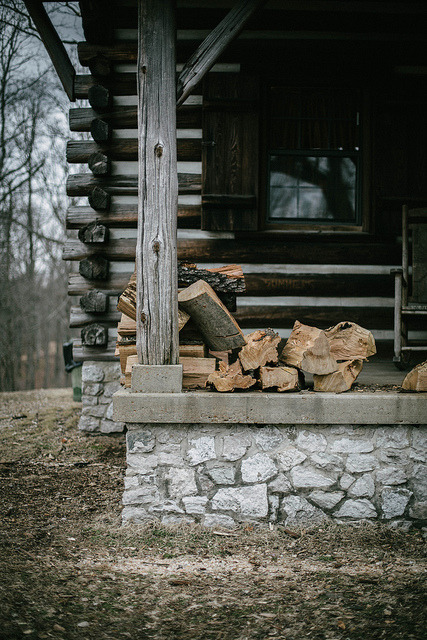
[222,475]
[100,380]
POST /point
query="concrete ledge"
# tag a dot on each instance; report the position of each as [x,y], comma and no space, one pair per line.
[157,378]
[271,408]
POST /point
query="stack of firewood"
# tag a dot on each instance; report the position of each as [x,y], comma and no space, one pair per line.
[198,360]
[214,352]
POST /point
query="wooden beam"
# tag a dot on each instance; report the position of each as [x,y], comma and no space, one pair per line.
[53,46]
[82,184]
[239,251]
[213,46]
[126,215]
[156,253]
[187,117]
[78,151]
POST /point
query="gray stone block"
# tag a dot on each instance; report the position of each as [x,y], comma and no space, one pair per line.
[195,504]
[351,445]
[92,372]
[394,502]
[326,500]
[356,510]
[258,468]
[157,378]
[110,426]
[222,474]
[313,442]
[306,478]
[235,446]
[391,476]
[217,520]
[297,510]
[181,482]
[87,423]
[141,441]
[290,458]
[243,501]
[201,449]
[364,487]
[359,463]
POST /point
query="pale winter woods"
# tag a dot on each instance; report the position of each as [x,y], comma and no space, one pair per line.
[33,132]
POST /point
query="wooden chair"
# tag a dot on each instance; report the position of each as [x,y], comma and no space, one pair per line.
[410,298]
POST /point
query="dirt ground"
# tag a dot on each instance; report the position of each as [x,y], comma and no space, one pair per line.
[69,570]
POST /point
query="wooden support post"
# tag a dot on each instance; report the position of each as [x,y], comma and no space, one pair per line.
[156,253]
[53,44]
[213,46]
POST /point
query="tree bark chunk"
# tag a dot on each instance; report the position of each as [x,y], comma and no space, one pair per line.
[260,349]
[307,348]
[230,377]
[416,380]
[94,268]
[94,335]
[94,302]
[93,233]
[284,378]
[349,341]
[340,380]
[217,325]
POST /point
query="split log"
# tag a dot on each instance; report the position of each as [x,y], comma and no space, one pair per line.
[126,326]
[95,268]
[284,378]
[125,351]
[127,301]
[94,335]
[228,279]
[416,380]
[94,302]
[93,233]
[260,349]
[128,369]
[307,348]
[195,371]
[193,351]
[183,318]
[99,164]
[349,341]
[230,377]
[340,380]
[217,325]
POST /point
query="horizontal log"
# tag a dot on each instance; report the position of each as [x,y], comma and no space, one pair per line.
[119,52]
[321,317]
[78,151]
[119,84]
[312,284]
[237,251]
[94,353]
[82,184]
[126,216]
[79,318]
[114,285]
[187,117]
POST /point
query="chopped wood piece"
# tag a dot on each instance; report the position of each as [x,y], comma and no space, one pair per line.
[131,360]
[228,279]
[94,335]
[124,352]
[217,325]
[284,378]
[183,318]
[193,351]
[416,380]
[93,233]
[220,355]
[340,380]
[230,377]
[195,371]
[127,301]
[348,341]
[94,268]
[126,326]
[94,302]
[307,348]
[260,349]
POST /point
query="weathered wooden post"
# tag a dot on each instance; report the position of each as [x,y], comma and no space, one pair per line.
[156,253]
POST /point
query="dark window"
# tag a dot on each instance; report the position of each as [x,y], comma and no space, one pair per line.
[314,154]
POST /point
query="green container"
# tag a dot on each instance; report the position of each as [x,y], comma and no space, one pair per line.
[76,381]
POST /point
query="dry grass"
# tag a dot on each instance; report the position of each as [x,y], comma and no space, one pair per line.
[69,570]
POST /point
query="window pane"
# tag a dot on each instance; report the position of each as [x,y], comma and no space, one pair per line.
[312,187]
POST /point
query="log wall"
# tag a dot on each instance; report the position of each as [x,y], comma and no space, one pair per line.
[317,277]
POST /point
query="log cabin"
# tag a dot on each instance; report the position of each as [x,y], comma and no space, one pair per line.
[281,135]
